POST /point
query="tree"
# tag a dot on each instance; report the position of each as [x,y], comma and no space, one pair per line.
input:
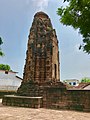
[77,15]
[5,67]
[1,42]
[85,80]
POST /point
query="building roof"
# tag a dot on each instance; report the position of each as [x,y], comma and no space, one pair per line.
[71,80]
[81,86]
[19,77]
[8,71]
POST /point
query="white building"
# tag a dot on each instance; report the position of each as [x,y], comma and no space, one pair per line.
[9,81]
[72,82]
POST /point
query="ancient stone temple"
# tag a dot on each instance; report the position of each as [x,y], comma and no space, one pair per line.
[42,56]
[41,86]
[42,61]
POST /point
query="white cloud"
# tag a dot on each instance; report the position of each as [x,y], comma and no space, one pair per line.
[40,4]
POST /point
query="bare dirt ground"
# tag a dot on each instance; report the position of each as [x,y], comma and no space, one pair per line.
[19,113]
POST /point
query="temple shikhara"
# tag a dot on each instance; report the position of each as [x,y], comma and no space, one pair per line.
[41,85]
[42,61]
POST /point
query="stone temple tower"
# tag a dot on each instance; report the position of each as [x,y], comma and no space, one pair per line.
[42,60]
[42,56]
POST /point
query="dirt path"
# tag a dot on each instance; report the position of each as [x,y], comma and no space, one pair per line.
[18,113]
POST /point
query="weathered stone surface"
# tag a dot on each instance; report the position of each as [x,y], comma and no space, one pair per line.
[57,98]
[22,101]
[42,54]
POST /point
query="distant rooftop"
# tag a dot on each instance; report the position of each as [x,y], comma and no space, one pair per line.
[8,71]
[71,80]
[82,85]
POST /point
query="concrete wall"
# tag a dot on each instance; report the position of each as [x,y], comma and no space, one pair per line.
[9,81]
[8,88]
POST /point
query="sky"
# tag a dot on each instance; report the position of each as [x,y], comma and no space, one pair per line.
[16,18]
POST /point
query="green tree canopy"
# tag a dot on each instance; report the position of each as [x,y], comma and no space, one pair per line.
[77,15]
[5,67]
[1,42]
[85,80]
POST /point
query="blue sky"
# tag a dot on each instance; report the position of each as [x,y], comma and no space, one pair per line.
[16,17]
